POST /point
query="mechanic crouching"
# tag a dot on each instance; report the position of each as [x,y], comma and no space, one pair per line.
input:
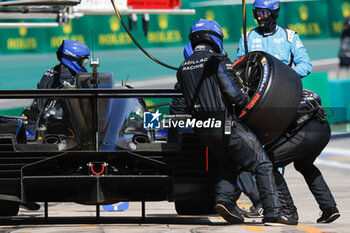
[302,143]
[210,88]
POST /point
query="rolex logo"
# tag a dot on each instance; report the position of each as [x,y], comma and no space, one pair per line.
[163,21]
[304,12]
[346,9]
[114,23]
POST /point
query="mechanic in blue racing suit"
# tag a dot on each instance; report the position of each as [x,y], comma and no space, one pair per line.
[280,42]
[73,56]
[211,89]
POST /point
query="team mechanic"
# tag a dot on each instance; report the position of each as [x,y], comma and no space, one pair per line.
[311,132]
[73,56]
[210,87]
[280,42]
[285,45]
[246,184]
[302,143]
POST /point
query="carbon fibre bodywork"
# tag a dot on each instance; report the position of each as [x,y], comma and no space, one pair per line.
[92,148]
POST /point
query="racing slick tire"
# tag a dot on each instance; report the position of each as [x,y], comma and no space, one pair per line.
[274,90]
[200,206]
[9,208]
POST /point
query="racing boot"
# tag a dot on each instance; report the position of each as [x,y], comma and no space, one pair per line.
[229,212]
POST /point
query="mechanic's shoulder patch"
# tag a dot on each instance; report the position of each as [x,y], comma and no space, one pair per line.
[49,73]
[290,35]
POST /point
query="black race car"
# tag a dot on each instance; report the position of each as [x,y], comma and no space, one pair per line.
[89,144]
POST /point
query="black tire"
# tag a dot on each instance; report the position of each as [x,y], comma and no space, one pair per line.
[275,91]
[201,206]
[9,208]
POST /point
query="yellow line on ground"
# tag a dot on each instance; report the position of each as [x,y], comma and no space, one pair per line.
[243,204]
[89,227]
[309,229]
[253,228]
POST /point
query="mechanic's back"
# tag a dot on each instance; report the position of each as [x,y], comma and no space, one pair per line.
[209,85]
[203,74]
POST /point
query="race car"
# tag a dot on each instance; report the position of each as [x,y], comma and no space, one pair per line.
[90,146]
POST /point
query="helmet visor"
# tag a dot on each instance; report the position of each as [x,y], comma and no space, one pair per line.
[83,61]
[262,13]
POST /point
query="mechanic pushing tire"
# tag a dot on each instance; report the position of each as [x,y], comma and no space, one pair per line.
[274,90]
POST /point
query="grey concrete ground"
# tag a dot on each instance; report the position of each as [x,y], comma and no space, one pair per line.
[161,216]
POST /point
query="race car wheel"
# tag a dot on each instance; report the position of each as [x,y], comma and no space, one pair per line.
[274,91]
[199,206]
[9,208]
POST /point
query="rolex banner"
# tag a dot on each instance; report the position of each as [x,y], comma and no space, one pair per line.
[313,19]
[305,18]
[337,11]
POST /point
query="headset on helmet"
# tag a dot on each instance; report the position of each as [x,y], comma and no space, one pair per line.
[207,31]
[74,55]
[188,51]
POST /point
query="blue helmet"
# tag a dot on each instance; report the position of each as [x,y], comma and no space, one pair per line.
[267,4]
[74,55]
[188,51]
[207,31]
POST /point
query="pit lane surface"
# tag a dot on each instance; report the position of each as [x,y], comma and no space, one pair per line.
[161,216]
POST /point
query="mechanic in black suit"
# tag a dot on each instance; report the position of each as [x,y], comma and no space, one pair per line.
[211,89]
[73,56]
[301,144]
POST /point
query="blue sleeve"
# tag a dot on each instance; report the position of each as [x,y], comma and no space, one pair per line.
[240,50]
[301,59]
[229,84]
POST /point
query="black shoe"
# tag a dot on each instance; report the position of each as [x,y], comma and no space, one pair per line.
[241,211]
[282,219]
[291,213]
[293,216]
[329,215]
[30,205]
[255,212]
[229,212]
